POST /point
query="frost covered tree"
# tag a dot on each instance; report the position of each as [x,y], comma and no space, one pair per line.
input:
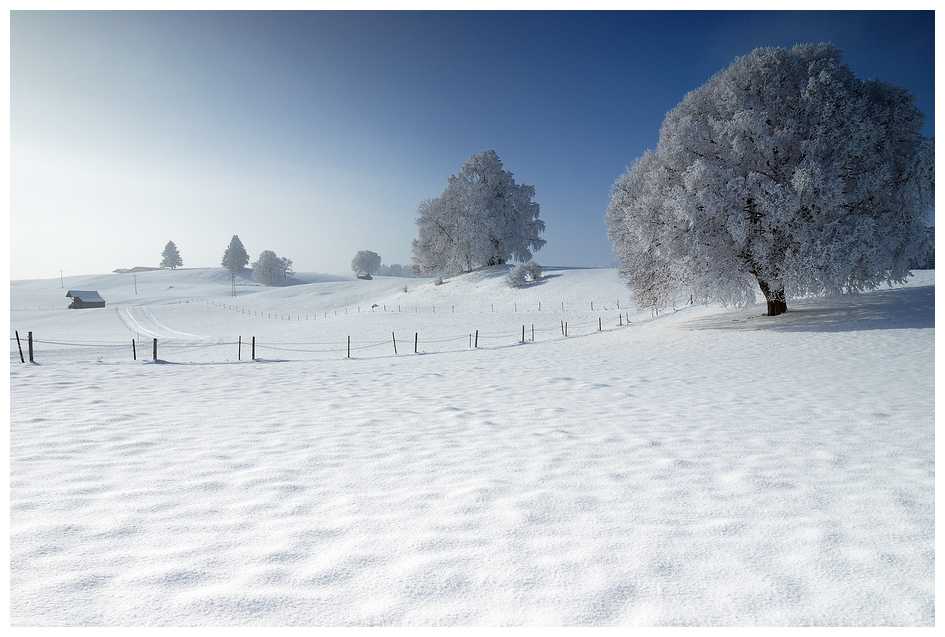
[170,258]
[366,262]
[482,218]
[268,269]
[235,257]
[286,267]
[783,173]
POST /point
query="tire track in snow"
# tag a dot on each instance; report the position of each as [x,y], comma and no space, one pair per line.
[142,321]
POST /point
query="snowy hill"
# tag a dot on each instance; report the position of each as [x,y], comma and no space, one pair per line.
[704,467]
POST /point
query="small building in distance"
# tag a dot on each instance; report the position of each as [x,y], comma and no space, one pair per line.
[83,299]
[135,269]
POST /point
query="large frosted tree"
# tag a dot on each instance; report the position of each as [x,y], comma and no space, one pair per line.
[269,269]
[366,262]
[482,218]
[783,173]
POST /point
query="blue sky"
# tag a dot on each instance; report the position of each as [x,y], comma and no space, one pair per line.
[317,134]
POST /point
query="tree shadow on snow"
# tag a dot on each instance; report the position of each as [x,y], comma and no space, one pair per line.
[898,309]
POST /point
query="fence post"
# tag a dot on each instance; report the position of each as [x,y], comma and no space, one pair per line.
[477,338]
[349,347]
[523,333]
[599,326]
[416,337]
[134,352]
[239,349]
[254,348]
[533,332]
[565,328]
[19,347]
[30,337]
[394,338]
[155,349]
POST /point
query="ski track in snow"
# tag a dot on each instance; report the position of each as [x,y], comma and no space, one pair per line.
[141,320]
[707,468]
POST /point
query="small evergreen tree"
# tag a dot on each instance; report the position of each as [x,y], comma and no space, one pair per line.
[171,257]
[235,257]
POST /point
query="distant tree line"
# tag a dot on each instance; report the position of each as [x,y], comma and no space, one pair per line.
[366,262]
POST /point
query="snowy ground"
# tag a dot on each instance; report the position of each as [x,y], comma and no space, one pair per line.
[703,467]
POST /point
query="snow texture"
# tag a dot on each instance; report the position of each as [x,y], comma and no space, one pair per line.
[702,467]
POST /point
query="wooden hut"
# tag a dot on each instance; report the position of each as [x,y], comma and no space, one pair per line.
[82,299]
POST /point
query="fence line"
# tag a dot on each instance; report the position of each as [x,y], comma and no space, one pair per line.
[514,308]
[439,344]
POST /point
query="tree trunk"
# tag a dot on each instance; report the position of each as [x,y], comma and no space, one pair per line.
[776,301]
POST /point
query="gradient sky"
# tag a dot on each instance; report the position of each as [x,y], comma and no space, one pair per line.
[317,134]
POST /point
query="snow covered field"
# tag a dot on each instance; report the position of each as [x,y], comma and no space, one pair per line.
[703,467]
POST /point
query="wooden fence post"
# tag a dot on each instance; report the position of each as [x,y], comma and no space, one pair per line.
[599,325]
[394,338]
[30,337]
[523,333]
[349,347]
[239,349]
[19,347]
[416,337]
[134,352]
[254,348]
[155,349]
[477,338]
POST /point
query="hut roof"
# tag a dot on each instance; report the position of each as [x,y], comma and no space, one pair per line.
[86,296]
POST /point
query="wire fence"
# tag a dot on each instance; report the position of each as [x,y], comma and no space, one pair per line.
[172,349]
[402,308]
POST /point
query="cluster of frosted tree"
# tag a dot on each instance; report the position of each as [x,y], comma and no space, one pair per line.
[783,172]
[394,269]
[270,269]
[170,257]
[482,218]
